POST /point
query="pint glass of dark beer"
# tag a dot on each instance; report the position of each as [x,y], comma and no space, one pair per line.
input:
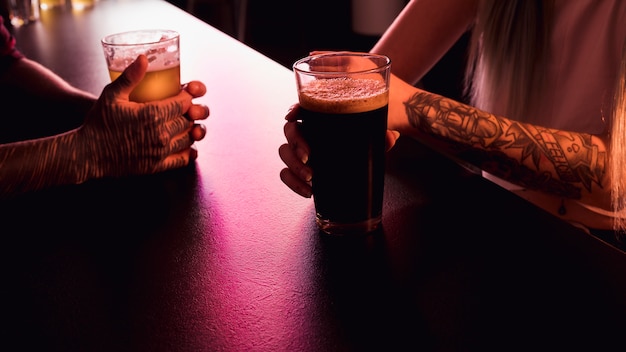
[344,99]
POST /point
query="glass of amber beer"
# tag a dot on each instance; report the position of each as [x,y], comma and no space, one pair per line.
[162,48]
[344,98]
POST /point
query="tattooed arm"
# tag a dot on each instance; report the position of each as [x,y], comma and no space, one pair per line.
[558,163]
[118,138]
[562,172]
[561,163]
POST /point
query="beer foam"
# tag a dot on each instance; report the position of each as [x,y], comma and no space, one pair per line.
[343,95]
[155,63]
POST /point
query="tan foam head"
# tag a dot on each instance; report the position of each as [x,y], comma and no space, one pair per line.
[343,95]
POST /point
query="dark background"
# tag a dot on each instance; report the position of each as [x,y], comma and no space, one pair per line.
[286,30]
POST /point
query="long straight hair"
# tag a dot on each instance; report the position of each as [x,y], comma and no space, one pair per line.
[498,64]
[506,49]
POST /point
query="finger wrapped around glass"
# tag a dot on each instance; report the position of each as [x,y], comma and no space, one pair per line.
[344,99]
[162,48]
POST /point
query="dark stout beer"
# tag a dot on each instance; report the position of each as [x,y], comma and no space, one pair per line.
[345,121]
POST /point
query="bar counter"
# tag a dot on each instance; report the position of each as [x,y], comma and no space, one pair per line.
[221,256]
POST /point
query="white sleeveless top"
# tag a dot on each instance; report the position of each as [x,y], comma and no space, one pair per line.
[586,46]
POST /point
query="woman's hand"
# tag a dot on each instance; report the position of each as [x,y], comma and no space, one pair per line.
[295,154]
[121,137]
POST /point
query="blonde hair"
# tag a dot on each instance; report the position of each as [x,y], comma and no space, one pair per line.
[498,64]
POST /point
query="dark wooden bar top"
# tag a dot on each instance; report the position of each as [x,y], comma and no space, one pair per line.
[221,256]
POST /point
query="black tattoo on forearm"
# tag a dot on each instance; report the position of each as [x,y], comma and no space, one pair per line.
[555,161]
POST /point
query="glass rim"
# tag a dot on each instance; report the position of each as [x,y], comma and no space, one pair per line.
[171,35]
[387,62]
